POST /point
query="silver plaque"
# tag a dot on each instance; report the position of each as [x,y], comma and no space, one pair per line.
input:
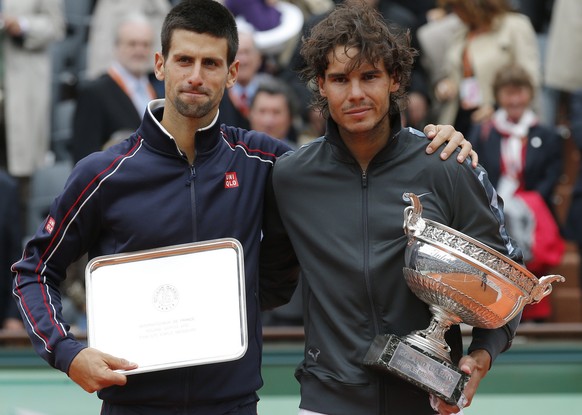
[169,307]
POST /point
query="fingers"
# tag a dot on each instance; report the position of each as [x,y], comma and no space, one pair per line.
[94,370]
[466,149]
[430,131]
[442,407]
[474,158]
[111,377]
[117,363]
[440,134]
[456,140]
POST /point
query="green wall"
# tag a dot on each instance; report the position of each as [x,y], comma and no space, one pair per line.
[533,378]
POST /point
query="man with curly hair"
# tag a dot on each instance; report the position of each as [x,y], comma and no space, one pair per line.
[340,201]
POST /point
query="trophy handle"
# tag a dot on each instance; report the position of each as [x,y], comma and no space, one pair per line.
[413,222]
[544,287]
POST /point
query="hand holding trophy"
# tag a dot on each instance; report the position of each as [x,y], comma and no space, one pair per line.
[462,280]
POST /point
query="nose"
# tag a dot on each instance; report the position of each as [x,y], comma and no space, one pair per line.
[356,91]
[195,74]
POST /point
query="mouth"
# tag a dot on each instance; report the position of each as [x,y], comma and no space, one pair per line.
[193,93]
[359,111]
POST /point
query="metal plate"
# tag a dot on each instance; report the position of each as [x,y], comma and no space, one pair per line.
[169,307]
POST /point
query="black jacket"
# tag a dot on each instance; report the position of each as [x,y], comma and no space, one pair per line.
[345,226]
[103,108]
[10,242]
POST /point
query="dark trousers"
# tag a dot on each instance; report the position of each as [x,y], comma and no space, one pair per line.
[109,409]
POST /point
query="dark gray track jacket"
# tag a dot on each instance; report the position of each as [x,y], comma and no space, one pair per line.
[345,226]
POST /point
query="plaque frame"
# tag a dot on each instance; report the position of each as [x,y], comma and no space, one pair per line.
[159,308]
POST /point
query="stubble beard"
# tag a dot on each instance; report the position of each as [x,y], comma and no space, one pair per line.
[193,110]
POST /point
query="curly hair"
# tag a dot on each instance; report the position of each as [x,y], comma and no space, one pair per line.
[354,24]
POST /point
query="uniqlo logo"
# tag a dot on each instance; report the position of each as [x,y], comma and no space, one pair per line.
[50,225]
[230,180]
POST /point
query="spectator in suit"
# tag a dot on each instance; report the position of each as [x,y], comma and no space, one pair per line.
[274,110]
[117,99]
[235,104]
[107,15]
[10,249]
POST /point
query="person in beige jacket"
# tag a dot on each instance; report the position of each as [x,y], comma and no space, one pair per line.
[29,27]
[492,36]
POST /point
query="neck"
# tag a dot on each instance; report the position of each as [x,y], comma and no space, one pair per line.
[183,129]
[364,146]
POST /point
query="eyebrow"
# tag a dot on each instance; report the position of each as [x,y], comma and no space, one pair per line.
[340,74]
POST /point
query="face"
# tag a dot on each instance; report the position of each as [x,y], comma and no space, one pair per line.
[515,100]
[249,57]
[358,100]
[195,74]
[134,47]
[270,114]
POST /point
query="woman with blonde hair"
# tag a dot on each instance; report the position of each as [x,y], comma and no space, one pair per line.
[492,36]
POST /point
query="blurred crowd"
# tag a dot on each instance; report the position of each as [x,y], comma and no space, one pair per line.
[76,76]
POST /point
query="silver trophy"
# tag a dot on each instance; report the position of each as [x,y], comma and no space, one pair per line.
[462,280]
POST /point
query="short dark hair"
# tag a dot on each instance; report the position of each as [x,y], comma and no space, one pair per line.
[205,17]
[276,86]
[512,74]
[354,24]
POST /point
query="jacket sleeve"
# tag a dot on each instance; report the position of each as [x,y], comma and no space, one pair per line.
[279,268]
[73,221]
[479,214]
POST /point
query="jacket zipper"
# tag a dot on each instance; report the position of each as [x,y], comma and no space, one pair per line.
[191,185]
[369,288]
[367,250]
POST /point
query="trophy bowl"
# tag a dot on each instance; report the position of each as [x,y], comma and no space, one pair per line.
[461,280]
[464,277]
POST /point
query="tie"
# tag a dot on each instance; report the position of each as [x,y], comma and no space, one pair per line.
[244,104]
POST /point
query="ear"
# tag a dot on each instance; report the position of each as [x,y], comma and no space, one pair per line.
[321,85]
[394,85]
[159,66]
[232,74]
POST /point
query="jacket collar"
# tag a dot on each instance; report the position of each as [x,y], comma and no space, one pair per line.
[154,133]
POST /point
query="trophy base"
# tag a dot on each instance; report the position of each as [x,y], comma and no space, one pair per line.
[390,353]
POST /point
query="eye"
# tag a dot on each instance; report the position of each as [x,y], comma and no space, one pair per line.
[210,62]
[370,76]
[339,79]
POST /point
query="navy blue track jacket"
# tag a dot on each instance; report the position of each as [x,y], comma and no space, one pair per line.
[142,194]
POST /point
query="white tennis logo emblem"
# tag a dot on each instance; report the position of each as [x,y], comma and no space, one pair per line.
[166,297]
